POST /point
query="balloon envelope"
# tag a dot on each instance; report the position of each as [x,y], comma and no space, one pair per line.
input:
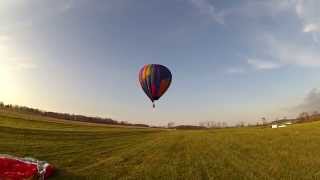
[155,80]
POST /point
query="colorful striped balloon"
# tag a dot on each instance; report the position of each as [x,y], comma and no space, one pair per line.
[155,80]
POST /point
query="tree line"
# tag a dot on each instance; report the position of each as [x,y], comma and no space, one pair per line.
[301,118]
[67,116]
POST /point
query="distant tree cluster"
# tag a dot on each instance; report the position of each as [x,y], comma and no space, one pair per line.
[264,121]
[301,118]
[213,124]
[66,116]
[306,117]
[241,124]
[186,127]
[170,125]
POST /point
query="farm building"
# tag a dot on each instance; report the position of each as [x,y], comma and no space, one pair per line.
[273,126]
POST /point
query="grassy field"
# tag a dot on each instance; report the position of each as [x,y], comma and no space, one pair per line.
[86,151]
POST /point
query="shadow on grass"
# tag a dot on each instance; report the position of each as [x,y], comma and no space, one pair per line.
[62,174]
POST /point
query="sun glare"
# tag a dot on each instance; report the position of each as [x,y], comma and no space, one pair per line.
[8,86]
[8,80]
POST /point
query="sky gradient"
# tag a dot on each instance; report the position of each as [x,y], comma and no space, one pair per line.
[231,60]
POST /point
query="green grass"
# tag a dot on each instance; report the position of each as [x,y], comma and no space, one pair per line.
[84,151]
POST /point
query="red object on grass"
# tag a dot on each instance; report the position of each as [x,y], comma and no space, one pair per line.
[12,168]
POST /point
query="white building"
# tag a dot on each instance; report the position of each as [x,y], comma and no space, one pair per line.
[282,125]
[273,126]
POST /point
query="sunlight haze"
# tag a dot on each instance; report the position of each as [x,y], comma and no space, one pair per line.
[231,61]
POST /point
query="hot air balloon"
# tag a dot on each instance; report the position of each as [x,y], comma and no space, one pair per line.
[155,80]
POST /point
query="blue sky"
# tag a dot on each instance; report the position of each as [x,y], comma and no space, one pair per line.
[231,60]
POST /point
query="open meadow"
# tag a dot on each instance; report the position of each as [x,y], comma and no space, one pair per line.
[89,151]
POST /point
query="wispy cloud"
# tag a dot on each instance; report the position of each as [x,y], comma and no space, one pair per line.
[4,38]
[17,64]
[291,51]
[235,70]
[311,28]
[66,5]
[275,49]
[311,102]
[262,64]
[207,8]
[10,59]
[24,65]
[309,14]
[287,51]
[15,14]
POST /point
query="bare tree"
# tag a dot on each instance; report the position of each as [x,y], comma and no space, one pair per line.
[224,124]
[240,124]
[264,121]
[304,116]
[202,124]
[170,124]
[315,113]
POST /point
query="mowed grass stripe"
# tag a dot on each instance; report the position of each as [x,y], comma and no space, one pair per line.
[100,152]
